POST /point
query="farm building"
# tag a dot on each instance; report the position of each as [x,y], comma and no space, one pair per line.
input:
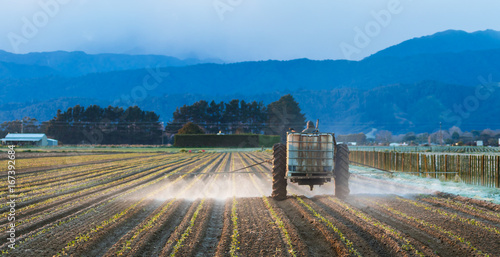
[28,139]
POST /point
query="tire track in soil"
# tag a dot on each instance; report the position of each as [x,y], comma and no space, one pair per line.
[430,240]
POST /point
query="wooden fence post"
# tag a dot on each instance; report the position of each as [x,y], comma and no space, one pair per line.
[445,167]
[482,171]
[402,162]
[426,170]
[497,184]
[470,169]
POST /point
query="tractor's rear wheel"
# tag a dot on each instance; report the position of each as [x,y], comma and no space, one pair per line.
[279,172]
[342,171]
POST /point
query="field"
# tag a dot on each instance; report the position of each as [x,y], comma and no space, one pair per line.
[187,204]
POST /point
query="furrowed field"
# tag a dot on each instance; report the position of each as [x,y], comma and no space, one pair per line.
[187,204]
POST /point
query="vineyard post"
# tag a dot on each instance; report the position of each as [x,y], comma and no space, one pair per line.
[402,162]
[411,162]
[425,161]
[445,167]
[379,162]
[418,164]
[482,171]
[373,158]
[434,166]
[470,169]
[498,172]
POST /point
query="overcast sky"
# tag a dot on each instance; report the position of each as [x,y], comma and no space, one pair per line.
[234,30]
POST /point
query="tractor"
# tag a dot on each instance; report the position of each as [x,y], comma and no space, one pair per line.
[310,158]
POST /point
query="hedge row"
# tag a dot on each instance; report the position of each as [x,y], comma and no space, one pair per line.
[210,140]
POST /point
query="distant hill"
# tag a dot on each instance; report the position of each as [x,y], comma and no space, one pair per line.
[399,108]
[20,71]
[449,41]
[70,64]
[462,68]
[407,87]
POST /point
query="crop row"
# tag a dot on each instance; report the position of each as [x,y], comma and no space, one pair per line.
[50,190]
[452,216]
[97,177]
[406,244]
[432,226]
[49,161]
[150,223]
[117,216]
[83,213]
[117,183]
[471,209]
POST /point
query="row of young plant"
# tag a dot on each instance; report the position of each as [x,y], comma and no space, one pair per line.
[59,195]
[277,220]
[50,161]
[234,215]
[193,220]
[404,241]
[81,200]
[27,191]
[432,226]
[452,216]
[349,245]
[117,217]
[82,214]
[96,177]
[461,206]
[151,222]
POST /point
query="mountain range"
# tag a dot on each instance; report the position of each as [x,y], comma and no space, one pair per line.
[411,86]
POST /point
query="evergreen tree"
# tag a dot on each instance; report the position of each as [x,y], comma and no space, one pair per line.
[284,114]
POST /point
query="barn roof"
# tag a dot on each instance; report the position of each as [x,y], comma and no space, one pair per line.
[23,137]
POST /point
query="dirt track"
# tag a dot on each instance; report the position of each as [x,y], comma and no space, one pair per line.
[180,204]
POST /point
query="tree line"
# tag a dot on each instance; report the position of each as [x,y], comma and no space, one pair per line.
[94,125]
[237,117]
[111,125]
[115,125]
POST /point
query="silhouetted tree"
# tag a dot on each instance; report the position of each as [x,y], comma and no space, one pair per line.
[191,128]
